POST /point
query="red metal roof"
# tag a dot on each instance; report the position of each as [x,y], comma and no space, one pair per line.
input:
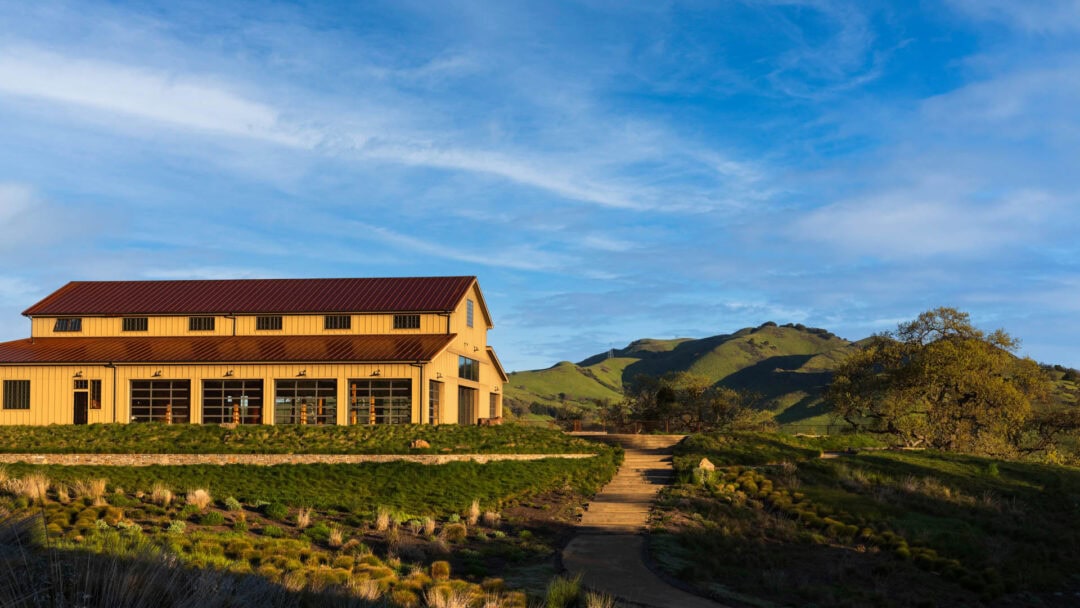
[226,349]
[255,296]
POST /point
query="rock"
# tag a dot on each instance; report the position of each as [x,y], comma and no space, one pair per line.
[419,444]
[706,464]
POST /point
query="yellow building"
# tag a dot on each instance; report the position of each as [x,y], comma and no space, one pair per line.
[261,351]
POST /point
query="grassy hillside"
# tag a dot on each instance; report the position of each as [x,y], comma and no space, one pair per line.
[775,525]
[787,366]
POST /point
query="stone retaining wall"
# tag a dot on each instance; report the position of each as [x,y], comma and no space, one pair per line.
[142,460]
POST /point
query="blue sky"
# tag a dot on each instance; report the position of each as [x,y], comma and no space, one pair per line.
[610,170]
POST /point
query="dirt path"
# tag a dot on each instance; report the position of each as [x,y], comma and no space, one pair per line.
[609,549]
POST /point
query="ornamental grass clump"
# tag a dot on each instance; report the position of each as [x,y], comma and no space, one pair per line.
[491,518]
[161,495]
[303,518]
[429,526]
[32,487]
[94,489]
[382,519]
[199,498]
[473,515]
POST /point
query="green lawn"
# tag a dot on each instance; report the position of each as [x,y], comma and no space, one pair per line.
[882,528]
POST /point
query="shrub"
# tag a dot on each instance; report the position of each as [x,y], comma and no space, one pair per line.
[429,526]
[240,525]
[404,598]
[320,532]
[562,592]
[213,518]
[273,532]
[455,532]
[440,570]
[276,510]
[233,505]
[491,518]
[199,498]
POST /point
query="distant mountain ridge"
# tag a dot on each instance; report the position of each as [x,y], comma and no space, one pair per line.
[788,366]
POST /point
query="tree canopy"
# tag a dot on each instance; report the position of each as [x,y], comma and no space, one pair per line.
[939,382]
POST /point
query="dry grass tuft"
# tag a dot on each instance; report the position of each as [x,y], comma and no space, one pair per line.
[336,538]
[63,493]
[382,519]
[364,588]
[303,518]
[33,487]
[94,489]
[599,600]
[200,498]
[161,495]
[445,597]
[474,513]
[491,519]
[429,526]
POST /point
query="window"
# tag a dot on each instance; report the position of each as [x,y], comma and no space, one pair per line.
[95,394]
[468,369]
[228,401]
[267,323]
[469,313]
[68,325]
[380,401]
[434,396]
[337,322]
[493,405]
[167,401]
[406,321]
[82,385]
[16,394]
[200,323]
[135,324]
[305,401]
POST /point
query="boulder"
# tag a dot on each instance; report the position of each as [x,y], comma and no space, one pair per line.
[419,444]
[706,464]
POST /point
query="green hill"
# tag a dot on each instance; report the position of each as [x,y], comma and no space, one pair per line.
[787,366]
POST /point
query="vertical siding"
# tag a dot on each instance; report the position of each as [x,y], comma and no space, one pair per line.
[294,325]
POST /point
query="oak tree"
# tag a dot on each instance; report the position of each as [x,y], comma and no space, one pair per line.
[939,382]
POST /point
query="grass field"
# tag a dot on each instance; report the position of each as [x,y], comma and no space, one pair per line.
[388,534]
[777,525]
[157,438]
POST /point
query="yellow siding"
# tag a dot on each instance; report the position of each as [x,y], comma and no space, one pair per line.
[292,325]
[52,387]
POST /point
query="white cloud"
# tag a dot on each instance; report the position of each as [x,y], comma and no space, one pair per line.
[923,222]
[183,101]
[1039,16]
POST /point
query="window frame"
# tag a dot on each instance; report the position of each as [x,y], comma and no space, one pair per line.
[135,324]
[268,323]
[337,322]
[68,324]
[468,368]
[469,313]
[407,321]
[17,391]
[196,323]
[160,396]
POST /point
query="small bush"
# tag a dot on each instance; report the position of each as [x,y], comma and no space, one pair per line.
[233,505]
[335,538]
[562,592]
[213,518]
[429,526]
[440,570]
[273,532]
[94,489]
[491,518]
[276,511]
[176,527]
[455,532]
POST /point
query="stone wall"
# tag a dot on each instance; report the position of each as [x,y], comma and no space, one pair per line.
[142,460]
